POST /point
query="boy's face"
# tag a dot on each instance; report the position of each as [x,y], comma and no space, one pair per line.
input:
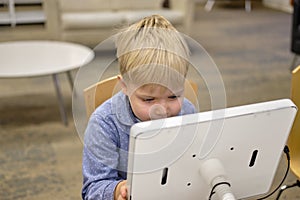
[154,101]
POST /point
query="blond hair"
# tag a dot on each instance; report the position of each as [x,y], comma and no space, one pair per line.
[152,51]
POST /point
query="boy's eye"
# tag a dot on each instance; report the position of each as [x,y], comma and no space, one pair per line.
[173,97]
[148,99]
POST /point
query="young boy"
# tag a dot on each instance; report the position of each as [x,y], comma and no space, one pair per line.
[153,60]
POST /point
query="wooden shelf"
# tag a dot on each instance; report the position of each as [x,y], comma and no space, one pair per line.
[30,17]
[28,1]
[16,12]
[4,18]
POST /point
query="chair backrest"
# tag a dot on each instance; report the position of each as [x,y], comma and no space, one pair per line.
[96,94]
[294,137]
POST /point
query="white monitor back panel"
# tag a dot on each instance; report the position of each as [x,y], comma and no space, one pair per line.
[165,155]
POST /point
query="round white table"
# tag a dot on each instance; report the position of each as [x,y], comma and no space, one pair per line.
[40,58]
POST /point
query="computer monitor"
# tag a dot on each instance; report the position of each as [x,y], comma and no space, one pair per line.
[166,156]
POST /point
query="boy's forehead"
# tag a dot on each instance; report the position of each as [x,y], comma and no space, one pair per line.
[154,87]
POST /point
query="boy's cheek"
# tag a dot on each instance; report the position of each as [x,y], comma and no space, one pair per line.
[142,112]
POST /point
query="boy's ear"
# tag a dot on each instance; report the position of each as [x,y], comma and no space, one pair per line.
[122,84]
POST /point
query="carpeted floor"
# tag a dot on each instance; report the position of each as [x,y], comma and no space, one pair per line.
[40,158]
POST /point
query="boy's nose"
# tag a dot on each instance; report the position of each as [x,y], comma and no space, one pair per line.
[158,111]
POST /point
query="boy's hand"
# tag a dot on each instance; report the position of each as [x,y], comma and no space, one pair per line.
[121,191]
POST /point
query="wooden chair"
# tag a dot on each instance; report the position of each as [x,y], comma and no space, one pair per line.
[294,138]
[96,94]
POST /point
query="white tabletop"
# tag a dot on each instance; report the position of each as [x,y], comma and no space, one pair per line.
[38,58]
